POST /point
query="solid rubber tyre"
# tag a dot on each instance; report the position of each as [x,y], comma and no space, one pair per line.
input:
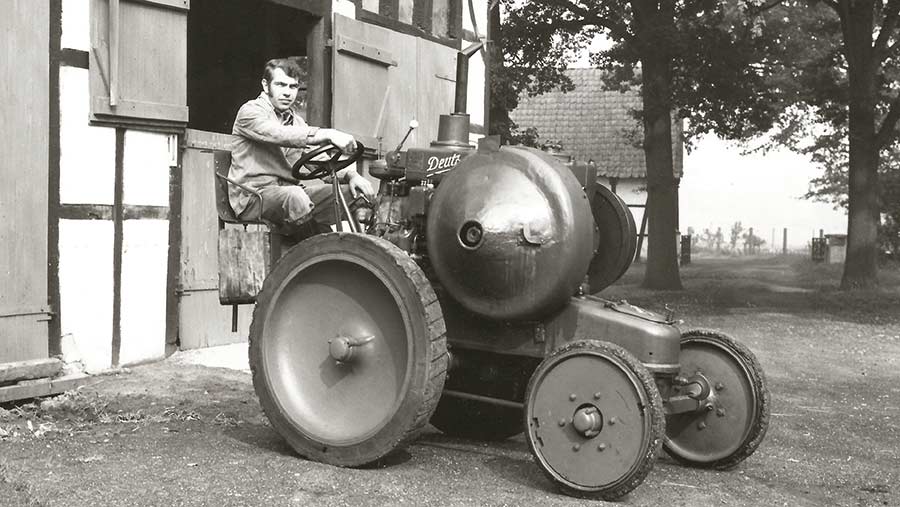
[733,366]
[601,466]
[348,411]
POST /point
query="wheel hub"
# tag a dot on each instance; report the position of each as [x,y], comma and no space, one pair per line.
[588,421]
[341,348]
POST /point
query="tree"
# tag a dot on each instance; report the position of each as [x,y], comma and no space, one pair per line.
[676,50]
[736,231]
[844,74]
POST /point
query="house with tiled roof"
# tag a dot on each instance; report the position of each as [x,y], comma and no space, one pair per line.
[598,125]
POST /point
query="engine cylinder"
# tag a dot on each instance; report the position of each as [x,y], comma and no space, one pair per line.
[510,233]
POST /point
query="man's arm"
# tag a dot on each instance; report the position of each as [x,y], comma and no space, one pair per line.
[254,122]
[257,124]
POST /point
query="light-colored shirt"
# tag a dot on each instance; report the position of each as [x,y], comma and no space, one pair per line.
[265,149]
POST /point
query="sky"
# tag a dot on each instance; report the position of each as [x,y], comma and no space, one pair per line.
[721,186]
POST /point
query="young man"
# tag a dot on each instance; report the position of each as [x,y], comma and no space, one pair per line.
[270,138]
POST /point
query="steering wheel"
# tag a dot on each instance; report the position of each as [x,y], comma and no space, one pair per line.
[324,167]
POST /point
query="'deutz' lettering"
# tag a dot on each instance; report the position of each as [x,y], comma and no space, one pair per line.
[436,163]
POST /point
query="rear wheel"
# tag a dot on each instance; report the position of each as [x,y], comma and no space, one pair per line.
[736,414]
[347,348]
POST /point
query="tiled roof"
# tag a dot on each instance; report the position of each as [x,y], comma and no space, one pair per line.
[593,123]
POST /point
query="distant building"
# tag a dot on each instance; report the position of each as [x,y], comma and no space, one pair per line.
[597,125]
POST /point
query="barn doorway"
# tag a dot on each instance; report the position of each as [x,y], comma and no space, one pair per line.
[228,42]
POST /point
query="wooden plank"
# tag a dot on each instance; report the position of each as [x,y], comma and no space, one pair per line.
[365,51]
[243,264]
[24,203]
[183,5]
[25,370]
[137,109]
[203,322]
[203,140]
[43,387]
[199,224]
[436,74]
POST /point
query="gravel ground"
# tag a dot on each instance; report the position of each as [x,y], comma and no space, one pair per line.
[173,433]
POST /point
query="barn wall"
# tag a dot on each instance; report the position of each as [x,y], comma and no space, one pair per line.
[114,229]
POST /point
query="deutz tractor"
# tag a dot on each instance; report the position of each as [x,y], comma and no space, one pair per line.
[465,296]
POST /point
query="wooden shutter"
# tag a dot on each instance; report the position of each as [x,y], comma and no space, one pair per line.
[138,62]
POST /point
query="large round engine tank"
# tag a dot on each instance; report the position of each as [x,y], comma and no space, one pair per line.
[510,233]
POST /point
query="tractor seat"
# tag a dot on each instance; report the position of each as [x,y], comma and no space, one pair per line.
[222,162]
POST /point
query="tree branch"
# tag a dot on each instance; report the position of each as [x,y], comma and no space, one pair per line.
[833,4]
[891,16]
[887,130]
[617,28]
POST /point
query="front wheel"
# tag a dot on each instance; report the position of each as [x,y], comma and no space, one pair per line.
[734,416]
[594,419]
[347,348]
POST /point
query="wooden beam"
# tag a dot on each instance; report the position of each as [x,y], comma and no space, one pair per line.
[43,387]
[26,370]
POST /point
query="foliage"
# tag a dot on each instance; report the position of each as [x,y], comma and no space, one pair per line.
[721,54]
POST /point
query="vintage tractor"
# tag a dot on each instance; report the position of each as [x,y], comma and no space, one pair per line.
[464,296]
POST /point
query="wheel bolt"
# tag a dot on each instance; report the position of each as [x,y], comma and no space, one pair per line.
[701,425]
[720,412]
[562,422]
[612,421]
[601,447]
[596,396]
[572,397]
[709,407]
[576,447]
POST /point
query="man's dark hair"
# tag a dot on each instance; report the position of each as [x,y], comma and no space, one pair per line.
[288,65]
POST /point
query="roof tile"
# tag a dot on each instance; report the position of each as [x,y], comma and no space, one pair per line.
[594,124]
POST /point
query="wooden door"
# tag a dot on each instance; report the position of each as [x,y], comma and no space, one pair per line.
[202,321]
[383,79]
[24,310]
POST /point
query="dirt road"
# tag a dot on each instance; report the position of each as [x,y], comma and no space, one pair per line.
[175,434]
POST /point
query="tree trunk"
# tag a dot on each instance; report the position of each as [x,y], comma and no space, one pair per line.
[861,264]
[654,24]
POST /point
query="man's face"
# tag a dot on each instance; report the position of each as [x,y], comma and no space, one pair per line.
[282,90]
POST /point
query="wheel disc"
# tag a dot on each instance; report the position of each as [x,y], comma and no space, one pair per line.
[594,419]
[733,418]
[347,348]
[618,239]
[337,402]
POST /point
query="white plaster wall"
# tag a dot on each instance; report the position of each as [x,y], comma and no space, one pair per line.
[87,154]
[405,14]
[144,264]
[632,191]
[86,291]
[76,25]
[146,163]
[370,5]
[347,8]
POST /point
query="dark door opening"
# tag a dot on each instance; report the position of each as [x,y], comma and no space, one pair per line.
[228,43]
